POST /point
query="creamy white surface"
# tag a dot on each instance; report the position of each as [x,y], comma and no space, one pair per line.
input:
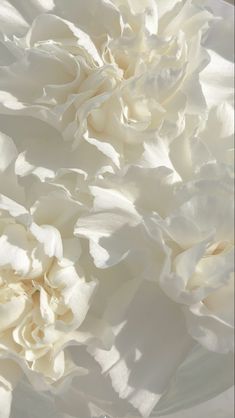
[116,209]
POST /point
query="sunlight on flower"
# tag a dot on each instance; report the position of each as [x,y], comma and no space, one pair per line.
[116,206]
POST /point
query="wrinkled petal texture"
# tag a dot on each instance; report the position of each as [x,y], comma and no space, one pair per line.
[116,208]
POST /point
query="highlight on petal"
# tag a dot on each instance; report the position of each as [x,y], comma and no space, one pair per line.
[129,362]
[219,406]
[9,375]
[217,85]
[8,152]
[184,392]
[12,21]
[116,208]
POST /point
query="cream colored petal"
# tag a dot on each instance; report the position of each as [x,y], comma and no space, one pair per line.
[14,249]
[9,376]
[195,382]
[217,80]
[8,151]
[50,237]
[11,21]
[12,312]
[5,400]
[130,362]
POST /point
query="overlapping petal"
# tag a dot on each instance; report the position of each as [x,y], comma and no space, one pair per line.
[116,206]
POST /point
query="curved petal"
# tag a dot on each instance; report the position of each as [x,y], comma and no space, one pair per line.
[28,403]
[130,362]
[217,80]
[8,151]
[218,135]
[107,16]
[50,238]
[91,394]
[28,11]
[48,27]
[115,203]
[9,375]
[14,249]
[11,20]
[8,180]
[148,8]
[209,329]
[201,377]
[5,402]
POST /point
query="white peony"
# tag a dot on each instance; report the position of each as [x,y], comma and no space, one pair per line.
[116,206]
[44,294]
[113,90]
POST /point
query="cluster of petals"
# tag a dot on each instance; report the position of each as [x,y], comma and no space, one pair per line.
[116,205]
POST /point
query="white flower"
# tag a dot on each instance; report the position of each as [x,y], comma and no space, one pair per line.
[113,92]
[44,294]
[116,158]
[203,267]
